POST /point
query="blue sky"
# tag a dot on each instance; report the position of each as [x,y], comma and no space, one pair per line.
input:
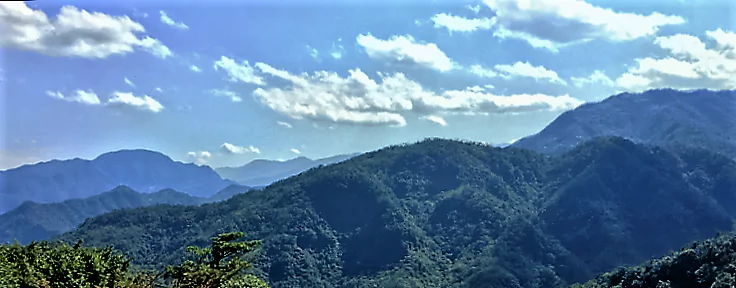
[223,83]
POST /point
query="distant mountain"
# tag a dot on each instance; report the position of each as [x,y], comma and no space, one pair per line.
[263,172]
[443,213]
[34,222]
[700,118]
[141,170]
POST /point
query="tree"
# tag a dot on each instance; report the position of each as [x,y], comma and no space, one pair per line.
[218,266]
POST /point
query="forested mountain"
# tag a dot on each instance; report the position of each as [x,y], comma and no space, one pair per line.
[442,213]
[33,221]
[261,172]
[141,170]
[700,118]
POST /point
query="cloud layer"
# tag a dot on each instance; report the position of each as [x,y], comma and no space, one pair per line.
[74,33]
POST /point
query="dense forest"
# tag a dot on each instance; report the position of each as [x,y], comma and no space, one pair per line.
[442,213]
[45,264]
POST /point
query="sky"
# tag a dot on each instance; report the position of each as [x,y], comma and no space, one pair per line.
[225,82]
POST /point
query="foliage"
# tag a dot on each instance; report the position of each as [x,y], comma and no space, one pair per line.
[441,213]
[58,265]
[708,263]
[219,266]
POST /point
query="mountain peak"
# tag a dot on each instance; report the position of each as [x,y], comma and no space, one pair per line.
[132,154]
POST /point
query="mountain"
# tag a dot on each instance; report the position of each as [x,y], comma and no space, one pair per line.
[141,170]
[443,213]
[701,118]
[34,222]
[261,172]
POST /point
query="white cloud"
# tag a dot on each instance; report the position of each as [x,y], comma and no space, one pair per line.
[168,21]
[555,23]
[199,157]
[295,151]
[159,89]
[284,124]
[235,149]
[80,96]
[435,119]
[596,77]
[313,52]
[130,83]
[358,99]
[143,103]
[337,50]
[524,69]
[518,69]
[73,33]
[461,24]
[238,72]
[404,50]
[689,65]
[195,68]
[226,93]
[482,72]
[475,8]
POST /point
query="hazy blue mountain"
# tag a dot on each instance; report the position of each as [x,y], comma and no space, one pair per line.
[701,118]
[33,221]
[141,170]
[261,172]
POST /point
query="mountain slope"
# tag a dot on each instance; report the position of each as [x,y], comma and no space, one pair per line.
[141,170]
[34,222]
[701,118]
[442,213]
[262,172]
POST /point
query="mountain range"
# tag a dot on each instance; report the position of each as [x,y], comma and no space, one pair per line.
[34,222]
[261,172]
[700,118]
[443,213]
[141,170]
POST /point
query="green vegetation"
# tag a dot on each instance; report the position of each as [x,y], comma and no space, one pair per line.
[709,263]
[47,265]
[443,213]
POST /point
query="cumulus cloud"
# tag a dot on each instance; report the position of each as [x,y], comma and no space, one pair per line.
[596,77]
[226,93]
[555,23]
[461,24]
[85,97]
[170,22]
[195,68]
[524,69]
[358,99]
[73,33]
[691,64]
[518,69]
[284,124]
[130,83]
[199,157]
[405,51]
[313,52]
[295,151]
[128,100]
[159,89]
[235,149]
[435,119]
[242,72]
[474,8]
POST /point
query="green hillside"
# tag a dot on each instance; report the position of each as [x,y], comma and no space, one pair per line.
[443,213]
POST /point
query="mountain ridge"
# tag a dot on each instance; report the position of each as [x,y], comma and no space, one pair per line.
[262,172]
[453,214]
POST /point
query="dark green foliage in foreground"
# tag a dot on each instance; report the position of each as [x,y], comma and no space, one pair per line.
[707,264]
[49,265]
[218,266]
[451,214]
